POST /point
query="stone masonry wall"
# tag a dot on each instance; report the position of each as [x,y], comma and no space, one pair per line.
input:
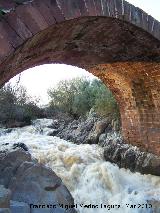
[114,40]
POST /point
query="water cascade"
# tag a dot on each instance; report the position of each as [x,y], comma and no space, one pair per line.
[96,185]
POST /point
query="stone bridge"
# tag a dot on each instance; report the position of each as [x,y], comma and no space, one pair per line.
[112,39]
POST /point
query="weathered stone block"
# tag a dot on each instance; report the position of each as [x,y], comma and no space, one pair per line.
[7,4]
[150,24]
[127,11]
[98,7]
[56,10]
[18,25]
[118,8]
[136,16]
[91,7]
[32,18]
[112,9]
[45,10]
[156,29]
[7,32]
[5,47]
[70,9]
[105,8]
[129,54]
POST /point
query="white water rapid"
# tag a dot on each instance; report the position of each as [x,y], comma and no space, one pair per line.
[91,180]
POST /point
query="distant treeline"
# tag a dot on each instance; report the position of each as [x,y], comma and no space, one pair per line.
[74,97]
[17,108]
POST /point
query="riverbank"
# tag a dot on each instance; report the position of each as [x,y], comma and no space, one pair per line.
[107,134]
[85,172]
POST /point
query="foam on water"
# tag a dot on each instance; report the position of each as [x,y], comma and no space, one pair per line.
[82,168]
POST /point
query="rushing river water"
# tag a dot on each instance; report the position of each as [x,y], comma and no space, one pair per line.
[91,180]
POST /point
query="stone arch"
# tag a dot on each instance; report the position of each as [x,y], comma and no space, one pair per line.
[110,38]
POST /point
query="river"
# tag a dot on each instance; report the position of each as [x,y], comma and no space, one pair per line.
[96,185]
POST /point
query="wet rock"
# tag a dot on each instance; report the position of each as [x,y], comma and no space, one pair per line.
[9,163]
[54,132]
[16,124]
[10,147]
[5,131]
[19,207]
[20,145]
[130,157]
[37,184]
[5,144]
[31,182]
[5,210]
[5,195]
[55,124]
[115,125]
[77,130]
[155,205]
[85,130]
[98,128]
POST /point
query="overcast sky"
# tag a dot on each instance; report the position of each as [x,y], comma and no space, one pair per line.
[37,80]
[152,7]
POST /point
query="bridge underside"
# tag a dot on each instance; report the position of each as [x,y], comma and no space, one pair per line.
[124,57]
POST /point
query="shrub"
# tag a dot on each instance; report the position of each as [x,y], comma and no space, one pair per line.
[17,106]
[79,95]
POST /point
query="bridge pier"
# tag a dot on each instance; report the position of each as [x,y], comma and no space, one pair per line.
[137,90]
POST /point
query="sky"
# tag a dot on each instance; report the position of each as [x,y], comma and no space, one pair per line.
[39,79]
[152,7]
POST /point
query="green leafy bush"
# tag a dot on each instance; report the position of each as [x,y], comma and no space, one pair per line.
[78,96]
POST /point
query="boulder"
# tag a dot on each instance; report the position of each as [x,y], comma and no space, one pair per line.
[115,125]
[54,132]
[4,131]
[31,183]
[37,184]
[20,145]
[98,128]
[16,124]
[19,207]
[130,157]
[85,130]
[9,162]
[77,131]
[5,195]
[155,204]
[5,210]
